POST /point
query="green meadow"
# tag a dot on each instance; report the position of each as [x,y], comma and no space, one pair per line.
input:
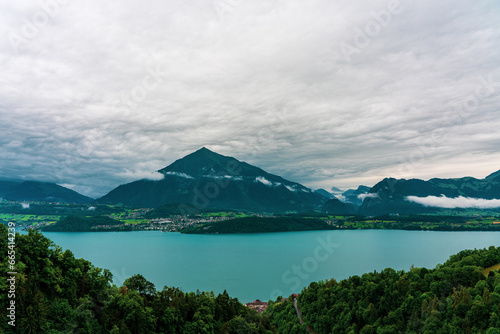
[27,220]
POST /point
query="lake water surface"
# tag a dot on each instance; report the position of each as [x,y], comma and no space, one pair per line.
[263,266]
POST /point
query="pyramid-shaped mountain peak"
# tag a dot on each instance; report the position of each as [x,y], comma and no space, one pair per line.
[205,178]
[201,162]
[205,153]
[204,149]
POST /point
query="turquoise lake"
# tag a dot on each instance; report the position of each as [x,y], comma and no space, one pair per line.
[263,266]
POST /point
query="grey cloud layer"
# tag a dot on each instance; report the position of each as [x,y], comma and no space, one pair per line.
[104,93]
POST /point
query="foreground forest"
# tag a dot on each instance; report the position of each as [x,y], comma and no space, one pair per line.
[459,296]
[56,293]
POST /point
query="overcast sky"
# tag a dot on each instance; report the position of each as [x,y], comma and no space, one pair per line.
[326,93]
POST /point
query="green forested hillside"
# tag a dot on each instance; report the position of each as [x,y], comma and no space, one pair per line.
[44,192]
[452,298]
[86,224]
[261,225]
[6,185]
[335,207]
[56,293]
[390,194]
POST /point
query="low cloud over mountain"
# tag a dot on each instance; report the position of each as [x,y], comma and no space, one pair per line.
[456,202]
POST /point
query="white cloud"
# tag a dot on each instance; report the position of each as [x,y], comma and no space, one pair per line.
[266,182]
[291,188]
[336,191]
[455,202]
[367,195]
[155,176]
[263,180]
[341,198]
[234,178]
[184,175]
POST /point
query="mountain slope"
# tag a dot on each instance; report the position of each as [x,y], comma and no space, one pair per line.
[6,185]
[44,192]
[494,176]
[390,195]
[208,179]
[324,193]
[336,207]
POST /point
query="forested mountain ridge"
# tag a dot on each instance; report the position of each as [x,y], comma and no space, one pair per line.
[43,192]
[391,195]
[86,224]
[336,207]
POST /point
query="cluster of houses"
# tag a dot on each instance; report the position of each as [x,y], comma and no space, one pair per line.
[257,305]
[261,306]
[177,223]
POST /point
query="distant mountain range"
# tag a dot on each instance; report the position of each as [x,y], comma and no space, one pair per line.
[337,207]
[343,202]
[207,179]
[17,190]
[355,196]
[324,193]
[417,196]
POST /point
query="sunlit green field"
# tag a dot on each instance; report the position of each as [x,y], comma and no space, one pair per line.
[28,219]
[135,221]
[224,214]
